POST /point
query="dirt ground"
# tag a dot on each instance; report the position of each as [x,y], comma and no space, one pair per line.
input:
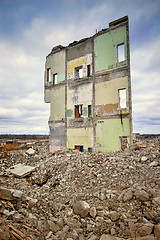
[79,195]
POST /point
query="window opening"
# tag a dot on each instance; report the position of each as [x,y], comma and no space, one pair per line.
[89,149]
[79,72]
[55,79]
[78,111]
[122,98]
[49,75]
[80,148]
[88,70]
[124,142]
[89,110]
[121,53]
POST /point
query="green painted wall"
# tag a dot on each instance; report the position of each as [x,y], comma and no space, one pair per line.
[56,62]
[60,77]
[108,132]
[106,49]
[57,106]
[85,111]
[69,112]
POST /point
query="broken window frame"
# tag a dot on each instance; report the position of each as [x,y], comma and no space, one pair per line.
[55,79]
[122,98]
[78,72]
[88,70]
[49,75]
[120,53]
[89,111]
[78,111]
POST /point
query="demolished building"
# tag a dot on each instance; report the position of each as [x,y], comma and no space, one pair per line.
[88,86]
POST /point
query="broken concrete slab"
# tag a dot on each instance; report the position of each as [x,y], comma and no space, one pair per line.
[10,194]
[21,170]
[30,151]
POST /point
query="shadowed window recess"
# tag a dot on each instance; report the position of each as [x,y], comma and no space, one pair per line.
[78,111]
[79,72]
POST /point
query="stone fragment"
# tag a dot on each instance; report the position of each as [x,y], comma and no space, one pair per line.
[153,164]
[144,159]
[30,151]
[150,237]
[31,202]
[93,237]
[93,212]
[109,237]
[81,208]
[141,195]
[156,201]
[99,219]
[89,227]
[157,231]
[17,217]
[101,213]
[145,230]
[10,194]
[49,235]
[8,213]
[20,170]
[114,216]
[126,195]
[102,197]
[113,232]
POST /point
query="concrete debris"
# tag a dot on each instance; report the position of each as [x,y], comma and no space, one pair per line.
[157,231]
[80,196]
[10,194]
[154,164]
[30,151]
[21,170]
[81,208]
[144,159]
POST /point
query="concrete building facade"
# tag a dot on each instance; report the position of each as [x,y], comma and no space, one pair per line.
[88,86]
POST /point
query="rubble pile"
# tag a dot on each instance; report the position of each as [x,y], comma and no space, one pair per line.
[74,195]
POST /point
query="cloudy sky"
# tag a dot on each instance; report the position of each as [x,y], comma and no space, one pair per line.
[30,28]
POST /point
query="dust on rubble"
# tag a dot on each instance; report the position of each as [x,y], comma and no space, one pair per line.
[74,195]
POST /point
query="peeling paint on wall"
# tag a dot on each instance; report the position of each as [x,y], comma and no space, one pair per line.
[102,110]
[80,136]
[81,94]
[88,87]
[82,61]
[107,92]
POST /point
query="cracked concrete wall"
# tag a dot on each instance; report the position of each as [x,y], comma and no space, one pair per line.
[81,61]
[107,97]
